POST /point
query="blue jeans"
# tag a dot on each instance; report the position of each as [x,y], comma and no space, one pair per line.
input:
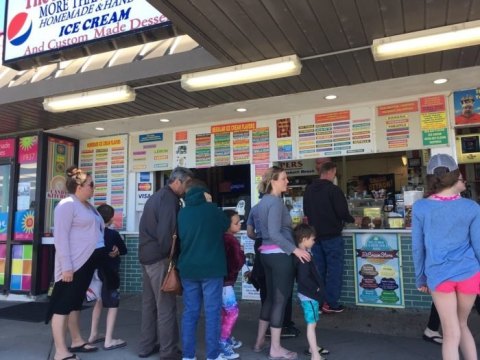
[329,256]
[195,292]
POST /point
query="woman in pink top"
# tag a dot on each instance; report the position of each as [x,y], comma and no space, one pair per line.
[79,247]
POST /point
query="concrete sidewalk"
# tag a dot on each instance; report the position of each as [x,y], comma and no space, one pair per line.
[358,333]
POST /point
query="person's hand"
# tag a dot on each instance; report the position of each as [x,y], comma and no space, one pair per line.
[67,276]
[114,253]
[302,255]
[208,197]
[424,289]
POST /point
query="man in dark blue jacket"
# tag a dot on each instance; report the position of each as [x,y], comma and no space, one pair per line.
[326,208]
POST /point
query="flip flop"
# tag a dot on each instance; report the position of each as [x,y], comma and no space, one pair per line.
[116,346]
[288,356]
[262,348]
[83,348]
[97,340]
[433,339]
[321,351]
[71,357]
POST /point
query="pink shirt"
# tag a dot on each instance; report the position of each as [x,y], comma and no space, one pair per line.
[77,230]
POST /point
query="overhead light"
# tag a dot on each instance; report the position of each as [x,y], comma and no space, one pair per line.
[88,99]
[99,128]
[440,81]
[427,41]
[331,97]
[242,74]
[241,109]
[164,120]
[404,160]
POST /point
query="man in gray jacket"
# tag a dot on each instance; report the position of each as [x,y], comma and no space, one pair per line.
[159,330]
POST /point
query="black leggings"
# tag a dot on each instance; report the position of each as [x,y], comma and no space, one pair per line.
[279,275]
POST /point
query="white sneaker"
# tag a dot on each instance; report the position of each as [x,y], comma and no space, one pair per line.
[220,357]
[234,343]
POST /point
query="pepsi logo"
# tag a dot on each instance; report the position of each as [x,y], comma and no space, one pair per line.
[19,29]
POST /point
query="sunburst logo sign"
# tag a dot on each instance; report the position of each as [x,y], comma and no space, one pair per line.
[24,225]
[28,149]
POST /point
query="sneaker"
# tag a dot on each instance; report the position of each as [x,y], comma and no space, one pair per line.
[327,309]
[227,351]
[234,343]
[289,332]
[219,357]
[321,351]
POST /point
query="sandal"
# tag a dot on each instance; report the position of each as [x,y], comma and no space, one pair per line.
[261,348]
[321,351]
[433,339]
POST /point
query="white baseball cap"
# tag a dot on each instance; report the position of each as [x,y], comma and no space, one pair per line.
[444,161]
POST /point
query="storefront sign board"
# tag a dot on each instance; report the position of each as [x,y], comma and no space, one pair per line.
[150,151]
[467,107]
[433,121]
[7,148]
[378,270]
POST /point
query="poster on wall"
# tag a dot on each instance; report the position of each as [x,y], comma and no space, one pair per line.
[433,120]
[248,290]
[221,146]
[378,273]
[261,145]
[23,225]
[181,148]
[241,147]
[28,150]
[60,157]
[3,225]
[346,132]
[7,148]
[203,150]
[150,151]
[106,159]
[467,107]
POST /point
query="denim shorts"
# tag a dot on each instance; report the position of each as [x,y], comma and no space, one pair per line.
[310,311]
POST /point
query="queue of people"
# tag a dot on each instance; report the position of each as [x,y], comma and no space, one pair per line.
[446,253]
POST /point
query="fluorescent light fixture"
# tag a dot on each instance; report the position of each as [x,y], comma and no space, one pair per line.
[440,81]
[427,41]
[240,109]
[99,128]
[88,99]
[242,74]
[331,97]
[164,120]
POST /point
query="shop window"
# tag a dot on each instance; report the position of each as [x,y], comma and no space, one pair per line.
[21,277]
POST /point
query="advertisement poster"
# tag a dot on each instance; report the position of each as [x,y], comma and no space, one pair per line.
[7,148]
[106,159]
[378,273]
[150,151]
[24,224]
[60,156]
[144,189]
[285,149]
[248,291]
[3,225]
[181,148]
[28,149]
[346,132]
[284,128]
[433,120]
[467,107]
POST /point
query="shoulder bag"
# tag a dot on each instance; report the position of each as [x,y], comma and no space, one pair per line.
[171,282]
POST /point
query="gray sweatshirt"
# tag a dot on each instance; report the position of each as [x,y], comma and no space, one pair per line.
[275,223]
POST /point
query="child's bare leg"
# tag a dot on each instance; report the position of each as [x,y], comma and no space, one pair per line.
[97,311]
[312,341]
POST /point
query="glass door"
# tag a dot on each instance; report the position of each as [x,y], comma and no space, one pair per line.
[5,173]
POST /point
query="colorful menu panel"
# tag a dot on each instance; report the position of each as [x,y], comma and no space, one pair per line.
[21,277]
[241,147]
[221,145]
[203,150]
[106,159]
[261,145]
[150,151]
[3,225]
[378,280]
[345,132]
[3,259]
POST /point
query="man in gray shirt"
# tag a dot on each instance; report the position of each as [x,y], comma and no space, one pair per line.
[157,225]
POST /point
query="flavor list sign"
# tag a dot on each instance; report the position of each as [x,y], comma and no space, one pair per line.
[203,150]
[150,151]
[346,132]
[221,145]
[241,147]
[378,280]
[433,120]
[261,145]
[106,159]
[39,26]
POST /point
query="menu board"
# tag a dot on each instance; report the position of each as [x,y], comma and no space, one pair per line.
[150,151]
[221,145]
[261,145]
[203,150]
[378,279]
[241,147]
[346,132]
[406,126]
[106,160]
